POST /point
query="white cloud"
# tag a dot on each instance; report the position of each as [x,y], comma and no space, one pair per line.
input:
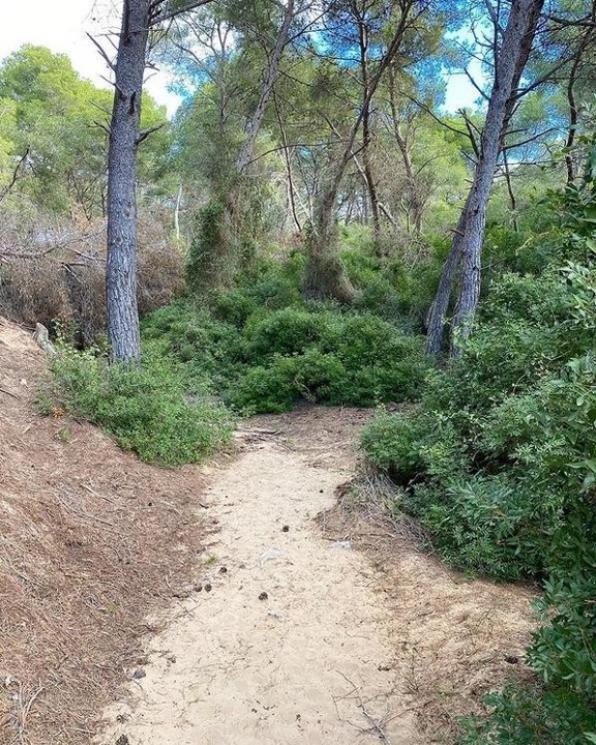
[62,25]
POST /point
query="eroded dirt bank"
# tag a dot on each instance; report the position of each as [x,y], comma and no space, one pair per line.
[91,541]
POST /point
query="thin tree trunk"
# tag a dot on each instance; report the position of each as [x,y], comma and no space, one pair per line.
[435,325]
[573,111]
[413,203]
[177,213]
[512,199]
[325,277]
[288,160]
[121,282]
[366,132]
[217,264]
[254,125]
[517,44]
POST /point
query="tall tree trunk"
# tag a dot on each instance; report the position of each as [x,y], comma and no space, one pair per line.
[325,276]
[177,213]
[254,125]
[518,38]
[121,281]
[366,131]
[517,44]
[289,170]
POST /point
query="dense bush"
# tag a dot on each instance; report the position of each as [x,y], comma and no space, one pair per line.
[533,715]
[145,407]
[263,360]
[498,465]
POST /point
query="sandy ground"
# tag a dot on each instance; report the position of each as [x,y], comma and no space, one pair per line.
[310,662]
[295,635]
[250,601]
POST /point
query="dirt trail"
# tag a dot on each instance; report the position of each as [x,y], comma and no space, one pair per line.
[310,663]
[362,637]
[295,636]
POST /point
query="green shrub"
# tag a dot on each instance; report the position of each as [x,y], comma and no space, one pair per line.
[285,380]
[271,359]
[286,331]
[532,715]
[209,261]
[392,444]
[145,407]
[498,465]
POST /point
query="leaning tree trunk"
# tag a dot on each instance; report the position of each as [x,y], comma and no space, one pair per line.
[121,284]
[325,276]
[517,43]
[214,259]
[254,124]
[435,327]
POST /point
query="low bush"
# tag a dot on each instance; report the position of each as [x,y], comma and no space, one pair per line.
[498,465]
[532,715]
[145,407]
[271,359]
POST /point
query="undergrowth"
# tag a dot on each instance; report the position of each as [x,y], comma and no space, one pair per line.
[498,465]
[146,408]
[261,348]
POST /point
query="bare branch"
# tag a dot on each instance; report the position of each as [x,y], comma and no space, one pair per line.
[102,52]
[15,175]
[148,132]
[158,16]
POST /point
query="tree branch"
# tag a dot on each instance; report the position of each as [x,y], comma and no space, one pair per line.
[15,175]
[168,14]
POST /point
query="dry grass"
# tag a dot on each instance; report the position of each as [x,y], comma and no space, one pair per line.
[62,278]
[91,542]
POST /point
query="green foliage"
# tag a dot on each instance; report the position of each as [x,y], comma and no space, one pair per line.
[262,349]
[498,465]
[145,407]
[531,715]
[47,109]
[207,256]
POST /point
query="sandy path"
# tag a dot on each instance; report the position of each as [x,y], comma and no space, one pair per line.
[310,663]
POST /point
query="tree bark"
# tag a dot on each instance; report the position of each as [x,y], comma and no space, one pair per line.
[435,325]
[121,281]
[289,170]
[325,277]
[138,17]
[517,44]
[509,182]
[510,62]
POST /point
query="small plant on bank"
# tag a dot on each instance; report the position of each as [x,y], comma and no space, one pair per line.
[145,407]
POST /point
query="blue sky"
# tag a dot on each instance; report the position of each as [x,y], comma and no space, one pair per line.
[62,25]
